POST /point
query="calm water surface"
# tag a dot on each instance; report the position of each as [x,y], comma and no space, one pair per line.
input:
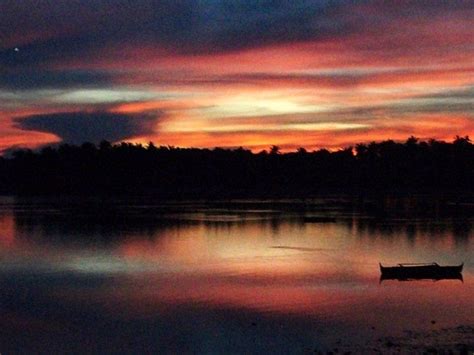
[241,277]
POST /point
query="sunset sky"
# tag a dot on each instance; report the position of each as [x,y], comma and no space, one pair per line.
[209,73]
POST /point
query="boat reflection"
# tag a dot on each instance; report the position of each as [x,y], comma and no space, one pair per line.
[457,276]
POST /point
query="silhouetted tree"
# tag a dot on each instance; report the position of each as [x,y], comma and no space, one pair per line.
[127,168]
[274,149]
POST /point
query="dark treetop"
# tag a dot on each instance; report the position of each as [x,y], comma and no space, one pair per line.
[412,166]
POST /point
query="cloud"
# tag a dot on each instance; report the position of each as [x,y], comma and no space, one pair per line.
[87,32]
[205,60]
[49,79]
[199,25]
[447,102]
[79,127]
[59,32]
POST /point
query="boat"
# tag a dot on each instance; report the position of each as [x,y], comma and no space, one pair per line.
[433,271]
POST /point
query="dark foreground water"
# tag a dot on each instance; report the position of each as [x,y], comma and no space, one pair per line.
[244,277]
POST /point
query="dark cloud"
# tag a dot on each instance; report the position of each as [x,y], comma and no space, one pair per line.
[445,102]
[48,79]
[331,79]
[79,127]
[46,31]
[462,93]
[63,30]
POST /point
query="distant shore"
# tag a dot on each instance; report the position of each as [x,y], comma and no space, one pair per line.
[387,167]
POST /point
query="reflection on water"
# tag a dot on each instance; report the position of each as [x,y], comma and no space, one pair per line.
[250,276]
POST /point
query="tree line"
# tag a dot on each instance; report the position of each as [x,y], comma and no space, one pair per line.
[125,168]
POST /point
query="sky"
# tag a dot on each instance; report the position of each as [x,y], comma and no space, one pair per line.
[230,73]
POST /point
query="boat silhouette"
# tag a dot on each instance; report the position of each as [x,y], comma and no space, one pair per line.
[427,271]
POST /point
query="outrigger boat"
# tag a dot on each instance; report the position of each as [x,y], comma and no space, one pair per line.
[433,271]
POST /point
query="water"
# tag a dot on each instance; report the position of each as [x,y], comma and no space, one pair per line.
[242,277]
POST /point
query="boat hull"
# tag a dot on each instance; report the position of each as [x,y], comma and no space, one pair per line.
[419,272]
